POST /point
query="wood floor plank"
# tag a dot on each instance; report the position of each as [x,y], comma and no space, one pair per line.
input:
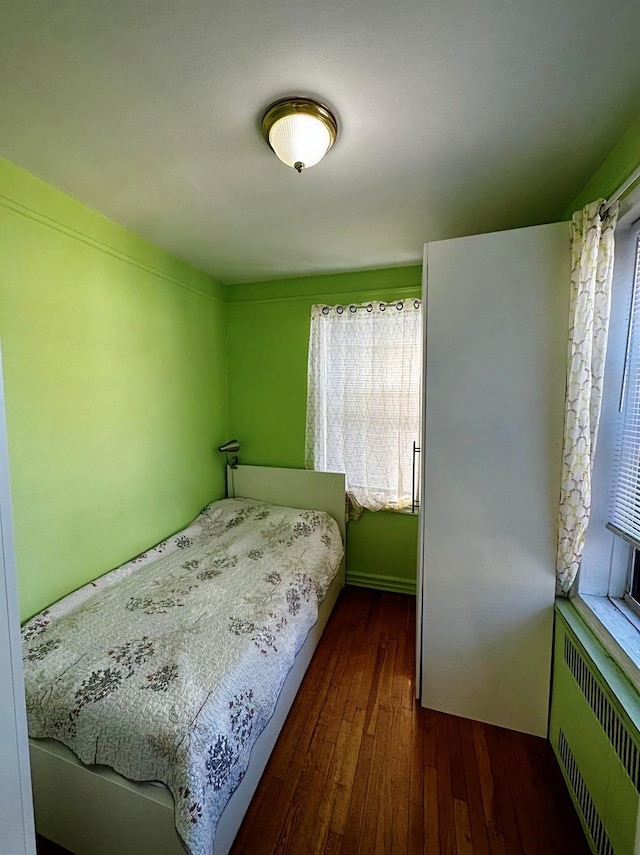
[374,830]
[445,796]
[416,784]
[265,818]
[528,781]
[463,828]
[384,805]
[488,790]
[504,803]
[456,762]
[361,767]
[431,812]
[305,710]
[521,804]
[416,757]
[402,683]
[383,683]
[363,664]
[301,823]
[353,827]
[416,834]
[400,767]
[318,688]
[262,838]
[478,825]
[346,772]
[335,701]
[430,738]
[333,844]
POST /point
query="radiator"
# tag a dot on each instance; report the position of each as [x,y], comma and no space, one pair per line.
[594,733]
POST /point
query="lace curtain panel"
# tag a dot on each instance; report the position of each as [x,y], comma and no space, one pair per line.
[592,244]
[363,399]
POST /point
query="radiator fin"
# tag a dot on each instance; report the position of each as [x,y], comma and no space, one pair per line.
[592,819]
[611,723]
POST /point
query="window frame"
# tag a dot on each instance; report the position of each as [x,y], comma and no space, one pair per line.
[316,443]
[631,594]
[607,570]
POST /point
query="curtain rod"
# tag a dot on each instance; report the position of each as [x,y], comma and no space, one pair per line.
[353,307]
[635,175]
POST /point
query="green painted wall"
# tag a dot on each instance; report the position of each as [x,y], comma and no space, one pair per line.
[619,163]
[268,330]
[115,376]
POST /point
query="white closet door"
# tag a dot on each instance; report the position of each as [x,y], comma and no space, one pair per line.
[17,836]
[496,332]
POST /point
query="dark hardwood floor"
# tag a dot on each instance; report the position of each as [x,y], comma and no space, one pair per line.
[361,768]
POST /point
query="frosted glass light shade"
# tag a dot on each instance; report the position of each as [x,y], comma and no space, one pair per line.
[299,131]
[300,138]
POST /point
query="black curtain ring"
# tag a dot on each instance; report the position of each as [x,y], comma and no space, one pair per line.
[339,309]
[369,308]
[399,305]
[325,310]
[382,307]
[352,309]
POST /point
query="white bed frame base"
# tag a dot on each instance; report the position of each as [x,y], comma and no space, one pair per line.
[95,811]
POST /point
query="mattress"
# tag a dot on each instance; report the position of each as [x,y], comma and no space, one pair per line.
[168,668]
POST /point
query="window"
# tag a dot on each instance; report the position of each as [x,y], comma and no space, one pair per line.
[363,399]
[609,578]
[624,519]
[605,565]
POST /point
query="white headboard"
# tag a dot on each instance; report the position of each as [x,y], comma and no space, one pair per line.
[293,488]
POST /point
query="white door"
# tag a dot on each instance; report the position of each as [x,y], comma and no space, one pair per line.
[17,836]
[496,332]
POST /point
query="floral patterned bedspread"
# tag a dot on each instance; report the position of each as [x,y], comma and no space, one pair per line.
[168,668]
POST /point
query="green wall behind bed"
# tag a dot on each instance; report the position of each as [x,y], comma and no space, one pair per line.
[268,333]
[115,377]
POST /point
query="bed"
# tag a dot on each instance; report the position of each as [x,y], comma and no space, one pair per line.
[91,809]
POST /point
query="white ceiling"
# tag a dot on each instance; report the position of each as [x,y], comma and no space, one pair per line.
[456,116]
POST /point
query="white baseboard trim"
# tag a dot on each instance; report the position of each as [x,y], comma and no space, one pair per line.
[382,583]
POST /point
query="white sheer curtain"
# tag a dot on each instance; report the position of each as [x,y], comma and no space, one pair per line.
[592,244]
[363,398]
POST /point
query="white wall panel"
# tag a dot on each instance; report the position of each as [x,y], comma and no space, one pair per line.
[496,327]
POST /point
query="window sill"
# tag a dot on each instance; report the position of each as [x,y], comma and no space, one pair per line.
[407,512]
[617,631]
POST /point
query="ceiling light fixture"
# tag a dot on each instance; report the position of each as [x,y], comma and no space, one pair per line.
[300,131]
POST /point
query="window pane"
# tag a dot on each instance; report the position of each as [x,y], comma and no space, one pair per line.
[363,407]
[625,505]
